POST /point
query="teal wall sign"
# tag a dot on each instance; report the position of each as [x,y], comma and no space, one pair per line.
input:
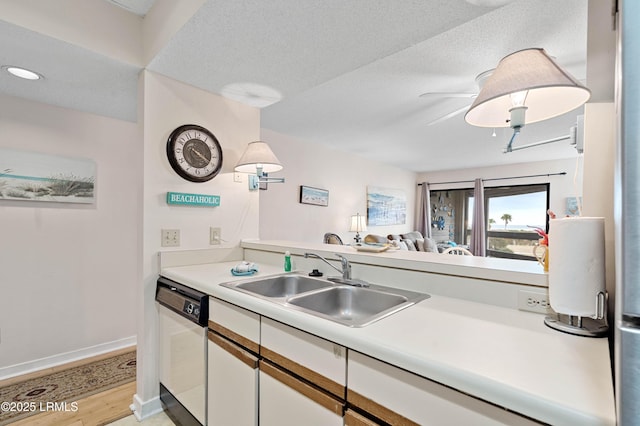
[193,199]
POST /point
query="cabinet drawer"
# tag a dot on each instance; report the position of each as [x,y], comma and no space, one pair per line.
[316,396]
[394,395]
[317,360]
[236,324]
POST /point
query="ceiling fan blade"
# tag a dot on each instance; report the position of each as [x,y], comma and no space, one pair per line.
[448,116]
[448,95]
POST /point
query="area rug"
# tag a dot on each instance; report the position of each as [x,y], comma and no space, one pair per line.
[61,390]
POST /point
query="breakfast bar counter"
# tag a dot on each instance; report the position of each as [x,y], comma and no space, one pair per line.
[502,356]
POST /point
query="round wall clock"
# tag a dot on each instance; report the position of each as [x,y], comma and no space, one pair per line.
[194,153]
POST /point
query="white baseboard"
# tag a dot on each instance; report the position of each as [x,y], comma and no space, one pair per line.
[144,409]
[64,358]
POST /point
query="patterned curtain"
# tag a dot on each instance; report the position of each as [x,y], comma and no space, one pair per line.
[424,218]
[478,232]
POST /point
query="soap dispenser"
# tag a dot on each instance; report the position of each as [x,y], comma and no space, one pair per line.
[287,261]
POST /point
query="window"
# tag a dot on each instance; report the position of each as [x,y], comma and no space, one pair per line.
[511,212]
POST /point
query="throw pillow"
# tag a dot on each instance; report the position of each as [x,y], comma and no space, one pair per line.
[430,245]
[410,245]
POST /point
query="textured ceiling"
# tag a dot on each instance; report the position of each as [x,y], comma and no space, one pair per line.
[74,77]
[350,72]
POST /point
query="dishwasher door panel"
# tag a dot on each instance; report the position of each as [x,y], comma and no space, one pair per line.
[182,361]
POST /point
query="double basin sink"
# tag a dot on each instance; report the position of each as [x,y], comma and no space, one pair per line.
[345,304]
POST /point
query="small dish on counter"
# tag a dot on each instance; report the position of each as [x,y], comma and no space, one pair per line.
[371,248]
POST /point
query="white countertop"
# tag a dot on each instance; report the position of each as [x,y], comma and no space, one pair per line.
[500,355]
[487,268]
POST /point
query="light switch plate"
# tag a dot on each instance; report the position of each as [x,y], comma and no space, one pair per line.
[215,236]
[170,238]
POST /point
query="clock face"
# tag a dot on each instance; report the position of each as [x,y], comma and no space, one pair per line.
[194,153]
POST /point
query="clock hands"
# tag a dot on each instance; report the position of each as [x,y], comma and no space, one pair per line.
[196,152]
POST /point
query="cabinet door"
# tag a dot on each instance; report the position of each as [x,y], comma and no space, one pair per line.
[316,360]
[232,384]
[287,401]
[235,323]
[395,396]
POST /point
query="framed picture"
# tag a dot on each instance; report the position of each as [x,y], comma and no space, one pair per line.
[386,206]
[32,176]
[573,206]
[314,196]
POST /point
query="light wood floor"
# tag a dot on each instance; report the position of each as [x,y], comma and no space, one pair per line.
[99,409]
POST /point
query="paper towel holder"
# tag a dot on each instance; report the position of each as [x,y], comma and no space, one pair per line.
[596,326]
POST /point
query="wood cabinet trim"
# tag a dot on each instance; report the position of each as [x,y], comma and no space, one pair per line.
[353,418]
[318,379]
[245,356]
[234,337]
[383,413]
[324,399]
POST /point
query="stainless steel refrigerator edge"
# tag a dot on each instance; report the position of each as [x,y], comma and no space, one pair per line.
[627,214]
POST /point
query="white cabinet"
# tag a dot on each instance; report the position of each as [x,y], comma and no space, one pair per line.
[317,360]
[289,354]
[235,323]
[232,377]
[232,383]
[399,397]
[287,401]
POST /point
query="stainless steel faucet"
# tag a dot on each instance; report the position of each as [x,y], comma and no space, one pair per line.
[346,267]
[345,271]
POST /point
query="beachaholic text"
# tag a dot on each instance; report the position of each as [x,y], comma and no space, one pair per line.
[193,199]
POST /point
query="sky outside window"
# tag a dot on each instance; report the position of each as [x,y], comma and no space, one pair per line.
[525,210]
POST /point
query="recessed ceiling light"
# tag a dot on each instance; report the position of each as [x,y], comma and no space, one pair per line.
[253,94]
[22,72]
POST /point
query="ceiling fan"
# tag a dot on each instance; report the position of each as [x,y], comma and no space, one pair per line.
[480,79]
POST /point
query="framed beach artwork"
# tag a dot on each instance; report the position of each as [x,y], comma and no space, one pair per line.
[386,206]
[31,176]
[314,196]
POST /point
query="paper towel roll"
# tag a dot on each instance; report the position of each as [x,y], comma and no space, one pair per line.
[576,264]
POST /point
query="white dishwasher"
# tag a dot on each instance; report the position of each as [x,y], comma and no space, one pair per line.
[183,314]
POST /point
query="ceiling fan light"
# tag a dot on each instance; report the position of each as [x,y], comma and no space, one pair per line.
[550,90]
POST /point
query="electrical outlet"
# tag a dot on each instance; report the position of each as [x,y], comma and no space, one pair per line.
[534,301]
[237,177]
[215,236]
[170,238]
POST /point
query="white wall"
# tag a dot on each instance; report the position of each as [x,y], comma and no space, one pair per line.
[67,271]
[167,104]
[345,176]
[600,120]
[561,187]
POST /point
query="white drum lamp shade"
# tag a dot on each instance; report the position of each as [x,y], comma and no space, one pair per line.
[258,158]
[526,87]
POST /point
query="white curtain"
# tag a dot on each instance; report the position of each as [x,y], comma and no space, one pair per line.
[424,218]
[478,231]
